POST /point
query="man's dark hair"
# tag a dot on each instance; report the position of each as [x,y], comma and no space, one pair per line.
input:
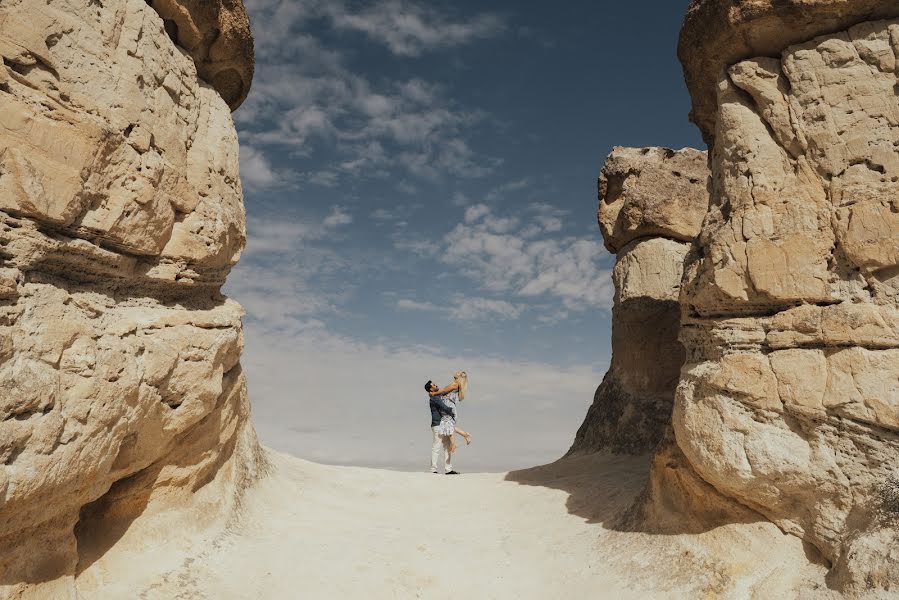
[428,386]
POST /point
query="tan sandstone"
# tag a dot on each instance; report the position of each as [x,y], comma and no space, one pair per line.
[720,33]
[789,400]
[121,213]
[217,35]
[651,205]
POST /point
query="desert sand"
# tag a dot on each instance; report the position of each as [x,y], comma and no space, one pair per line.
[315,531]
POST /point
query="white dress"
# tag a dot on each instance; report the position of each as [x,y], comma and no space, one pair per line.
[448,422]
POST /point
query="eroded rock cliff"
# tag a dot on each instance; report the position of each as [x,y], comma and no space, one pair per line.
[121,213]
[788,404]
[651,205]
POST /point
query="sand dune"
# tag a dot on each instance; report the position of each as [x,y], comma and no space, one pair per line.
[314,531]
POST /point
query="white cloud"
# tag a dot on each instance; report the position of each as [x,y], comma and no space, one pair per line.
[475,212]
[410,29]
[511,186]
[337,218]
[407,304]
[255,169]
[304,95]
[504,257]
[460,199]
[467,309]
[549,224]
[323,178]
[481,309]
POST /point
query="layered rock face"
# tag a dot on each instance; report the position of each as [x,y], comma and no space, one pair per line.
[789,401]
[121,213]
[719,33]
[651,205]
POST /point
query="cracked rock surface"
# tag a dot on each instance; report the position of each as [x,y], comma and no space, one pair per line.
[121,213]
[789,400]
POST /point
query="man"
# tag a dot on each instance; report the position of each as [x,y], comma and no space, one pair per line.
[440,407]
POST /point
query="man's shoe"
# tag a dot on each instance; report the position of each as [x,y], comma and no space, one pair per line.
[452,473]
[435,473]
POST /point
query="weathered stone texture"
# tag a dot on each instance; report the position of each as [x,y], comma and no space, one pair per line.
[789,401]
[216,34]
[719,33]
[121,214]
[652,192]
[652,201]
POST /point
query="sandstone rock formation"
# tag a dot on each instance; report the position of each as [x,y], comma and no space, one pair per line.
[121,213]
[217,36]
[651,205]
[789,401]
[719,33]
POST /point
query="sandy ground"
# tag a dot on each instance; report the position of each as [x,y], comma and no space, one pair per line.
[314,531]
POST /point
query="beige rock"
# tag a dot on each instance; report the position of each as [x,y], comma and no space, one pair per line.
[651,200]
[121,392]
[654,192]
[120,143]
[789,400]
[217,36]
[720,33]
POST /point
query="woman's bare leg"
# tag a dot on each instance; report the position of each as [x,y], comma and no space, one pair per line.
[465,435]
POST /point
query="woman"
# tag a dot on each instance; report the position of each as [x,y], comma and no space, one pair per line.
[453,394]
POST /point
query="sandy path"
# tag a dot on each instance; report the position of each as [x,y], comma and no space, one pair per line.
[314,531]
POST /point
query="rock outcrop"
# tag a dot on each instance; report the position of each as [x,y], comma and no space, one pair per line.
[719,33]
[217,36]
[121,213]
[787,407]
[788,404]
[651,205]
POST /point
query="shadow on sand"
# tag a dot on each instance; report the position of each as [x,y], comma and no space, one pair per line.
[600,487]
[614,490]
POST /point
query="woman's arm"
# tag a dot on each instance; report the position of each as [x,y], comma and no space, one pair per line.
[450,388]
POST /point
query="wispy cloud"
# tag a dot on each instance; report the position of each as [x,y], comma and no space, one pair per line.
[527,259]
[305,98]
[255,169]
[410,29]
[338,217]
[467,309]
[290,275]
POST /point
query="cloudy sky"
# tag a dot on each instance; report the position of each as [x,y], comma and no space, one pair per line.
[420,183]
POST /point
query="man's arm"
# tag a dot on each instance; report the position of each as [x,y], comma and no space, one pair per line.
[444,407]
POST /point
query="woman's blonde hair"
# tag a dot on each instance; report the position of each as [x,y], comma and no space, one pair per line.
[462,378]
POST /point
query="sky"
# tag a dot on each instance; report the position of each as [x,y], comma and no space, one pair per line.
[420,186]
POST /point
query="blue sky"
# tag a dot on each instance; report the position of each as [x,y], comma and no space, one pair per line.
[420,184]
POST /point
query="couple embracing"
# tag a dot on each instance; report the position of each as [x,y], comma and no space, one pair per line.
[444,415]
